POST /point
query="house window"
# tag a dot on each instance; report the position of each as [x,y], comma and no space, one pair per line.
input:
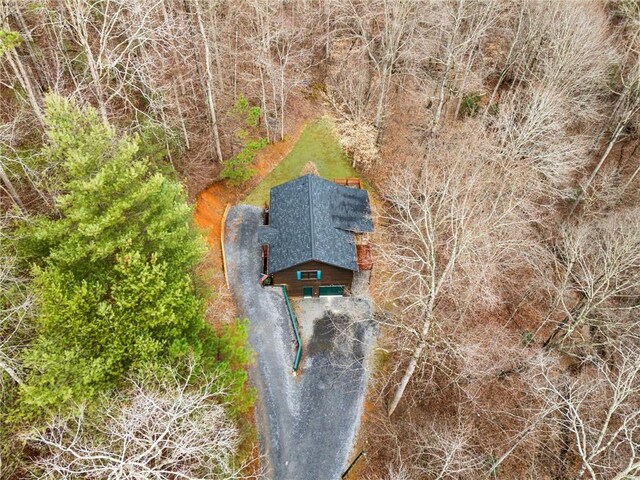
[309,275]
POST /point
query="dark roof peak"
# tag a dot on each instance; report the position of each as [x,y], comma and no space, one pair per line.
[311,209]
[314,219]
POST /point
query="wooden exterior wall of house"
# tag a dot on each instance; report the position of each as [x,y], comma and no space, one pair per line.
[330,276]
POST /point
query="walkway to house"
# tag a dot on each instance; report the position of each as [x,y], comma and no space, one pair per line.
[306,422]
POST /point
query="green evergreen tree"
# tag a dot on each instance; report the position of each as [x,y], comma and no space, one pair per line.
[113,200]
[114,273]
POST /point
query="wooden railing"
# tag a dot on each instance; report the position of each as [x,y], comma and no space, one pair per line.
[348,182]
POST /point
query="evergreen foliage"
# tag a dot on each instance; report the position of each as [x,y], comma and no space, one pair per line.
[93,331]
[9,40]
[114,270]
[242,109]
[238,169]
[225,352]
[113,201]
[470,104]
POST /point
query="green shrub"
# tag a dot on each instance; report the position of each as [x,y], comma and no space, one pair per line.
[526,338]
[9,40]
[253,116]
[241,105]
[238,169]
[470,104]
[249,115]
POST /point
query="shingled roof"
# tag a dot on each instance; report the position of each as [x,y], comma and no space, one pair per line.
[314,219]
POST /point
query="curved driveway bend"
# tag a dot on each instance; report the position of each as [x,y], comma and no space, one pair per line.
[307,422]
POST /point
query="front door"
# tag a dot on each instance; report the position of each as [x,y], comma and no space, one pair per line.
[307,292]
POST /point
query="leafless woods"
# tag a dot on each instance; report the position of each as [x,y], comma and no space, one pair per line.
[511,250]
[503,140]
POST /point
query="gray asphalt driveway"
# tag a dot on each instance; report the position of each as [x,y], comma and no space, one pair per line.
[307,422]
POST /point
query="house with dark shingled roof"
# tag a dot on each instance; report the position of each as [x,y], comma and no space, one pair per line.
[310,242]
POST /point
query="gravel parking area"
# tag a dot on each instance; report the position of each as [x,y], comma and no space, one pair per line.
[307,422]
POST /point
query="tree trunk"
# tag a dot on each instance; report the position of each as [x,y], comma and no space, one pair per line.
[18,67]
[417,353]
[39,71]
[631,179]
[282,102]
[183,125]
[11,190]
[465,74]
[235,68]
[211,101]
[622,123]
[10,371]
[507,64]
[614,139]
[441,95]
[264,105]
[23,78]
[413,363]
[80,31]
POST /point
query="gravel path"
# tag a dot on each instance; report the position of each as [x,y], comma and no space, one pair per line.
[307,422]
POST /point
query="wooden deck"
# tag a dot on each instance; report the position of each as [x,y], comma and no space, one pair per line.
[365,258]
[349,182]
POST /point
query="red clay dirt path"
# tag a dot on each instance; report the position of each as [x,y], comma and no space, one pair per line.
[210,203]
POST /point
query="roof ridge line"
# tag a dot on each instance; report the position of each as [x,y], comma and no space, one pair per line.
[311,218]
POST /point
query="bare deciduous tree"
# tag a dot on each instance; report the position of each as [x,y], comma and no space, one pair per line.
[278,45]
[450,224]
[444,452]
[8,186]
[533,129]
[383,32]
[558,63]
[162,427]
[627,92]
[465,24]
[18,68]
[598,267]
[210,81]
[600,409]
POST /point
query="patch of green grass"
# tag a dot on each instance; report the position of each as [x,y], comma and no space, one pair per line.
[318,144]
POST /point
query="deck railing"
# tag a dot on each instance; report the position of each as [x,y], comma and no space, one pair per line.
[294,324]
[349,182]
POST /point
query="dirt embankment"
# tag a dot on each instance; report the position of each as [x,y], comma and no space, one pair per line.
[211,202]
